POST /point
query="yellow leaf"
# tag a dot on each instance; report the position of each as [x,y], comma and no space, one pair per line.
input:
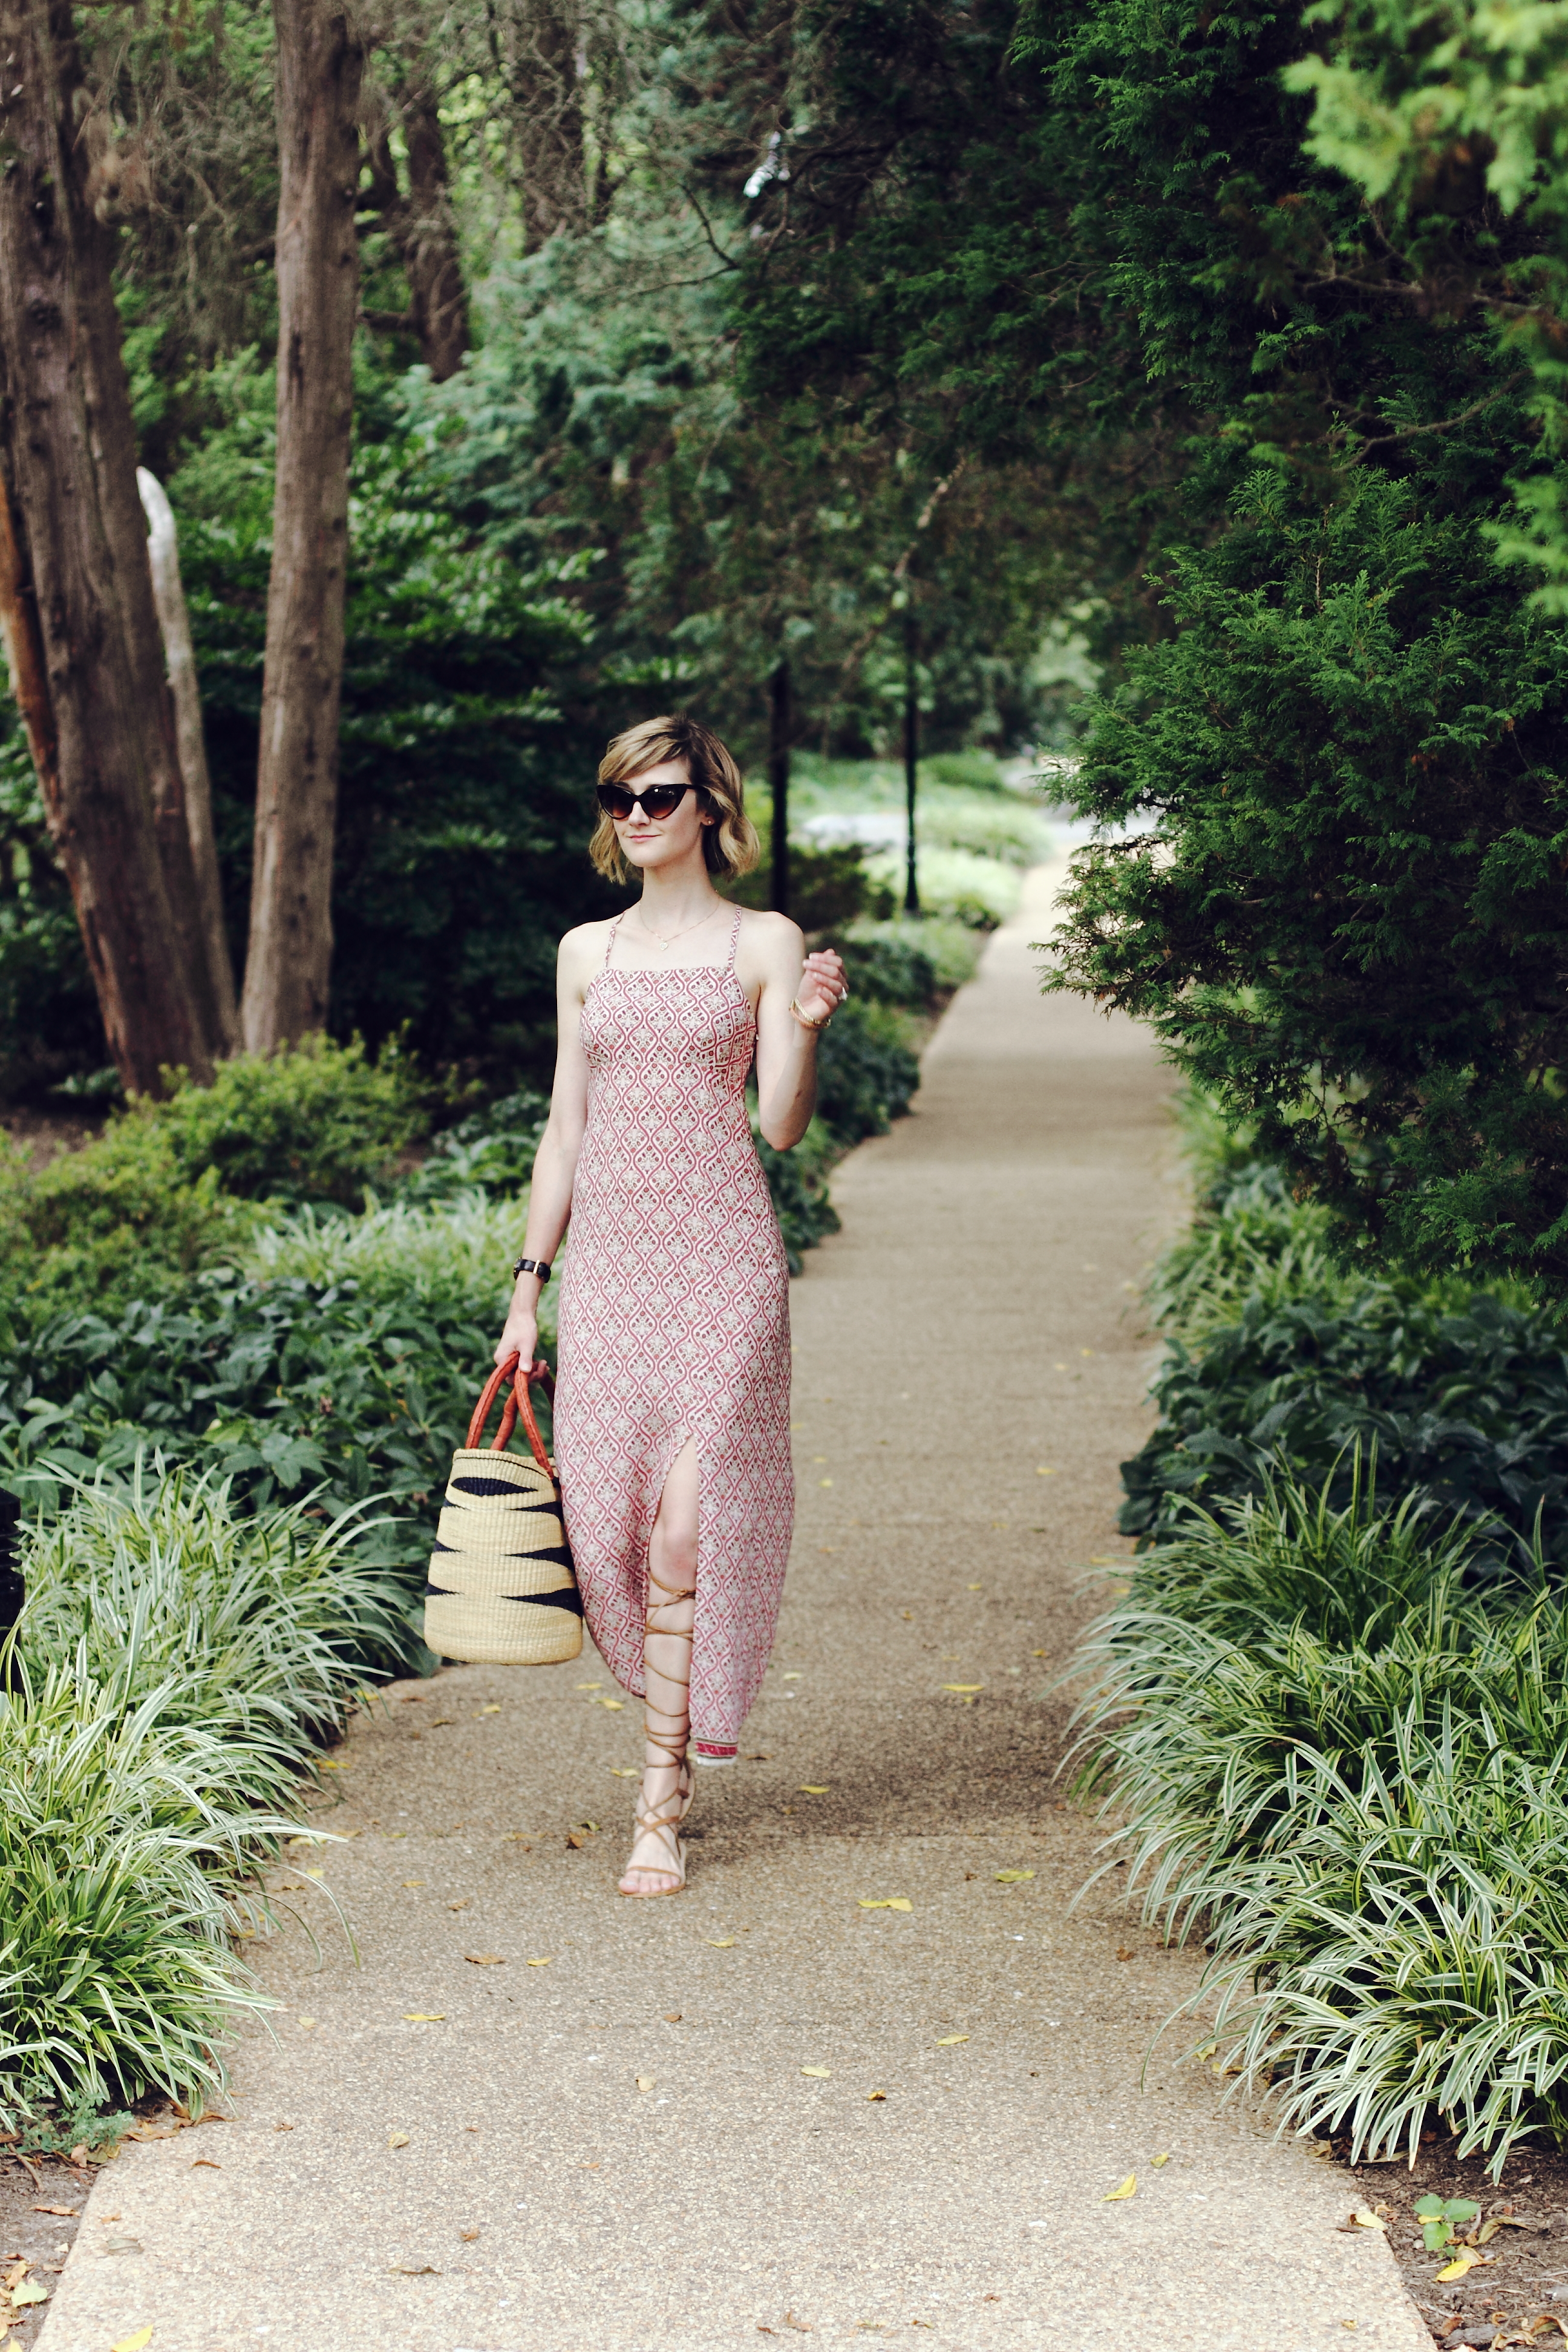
[1043,1472]
[1114,2196]
[143,2336]
[875,2094]
[807,1789]
[963,1686]
[825,1482]
[612,1706]
[975,1587]
[490,1710]
[624,1772]
[315,1873]
[948,2039]
[1461,2265]
[328,1764]
[645,2082]
[720,1943]
[414,1881]
[822,2073]
[397,2139]
[1364,2219]
[1039,1654]
[886,1903]
[1012,1877]
[1159,2161]
[424,2017]
[309,2024]
[588,1686]
[486,1959]
[542,1963]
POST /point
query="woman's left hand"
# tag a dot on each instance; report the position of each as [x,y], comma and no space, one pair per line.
[823,987]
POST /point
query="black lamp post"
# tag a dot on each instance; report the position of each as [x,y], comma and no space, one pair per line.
[11,1590]
[912,757]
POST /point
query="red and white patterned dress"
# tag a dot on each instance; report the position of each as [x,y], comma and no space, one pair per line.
[674,1323]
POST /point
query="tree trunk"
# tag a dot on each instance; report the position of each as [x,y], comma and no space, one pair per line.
[81,629]
[180,657]
[778,781]
[427,241]
[320,63]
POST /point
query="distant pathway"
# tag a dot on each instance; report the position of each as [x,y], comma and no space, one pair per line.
[855,2122]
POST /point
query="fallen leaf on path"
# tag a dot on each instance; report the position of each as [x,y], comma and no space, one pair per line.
[720,1943]
[327,1765]
[29,2291]
[807,1789]
[647,2083]
[136,2342]
[1012,1877]
[308,2024]
[414,2269]
[414,1881]
[467,2236]
[587,1685]
[543,1962]
[462,1906]
[1043,1472]
[424,2017]
[948,2039]
[210,2161]
[610,1706]
[486,1959]
[1364,2219]
[66,2213]
[397,2139]
[791,2321]
[1462,2264]
[624,1772]
[875,2094]
[1034,1654]
[1125,1952]
[822,2073]
[1159,2161]
[1127,2188]
[885,1903]
[490,1710]
[963,1686]
[976,1588]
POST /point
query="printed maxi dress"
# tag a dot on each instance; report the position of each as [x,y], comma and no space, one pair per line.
[674,1323]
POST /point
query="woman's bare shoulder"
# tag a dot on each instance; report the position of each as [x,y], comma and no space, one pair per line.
[582,950]
[767,940]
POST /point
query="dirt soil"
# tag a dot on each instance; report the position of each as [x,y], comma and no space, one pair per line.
[39,2239]
[1518,2293]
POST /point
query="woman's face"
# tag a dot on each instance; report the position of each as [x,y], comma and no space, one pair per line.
[655,841]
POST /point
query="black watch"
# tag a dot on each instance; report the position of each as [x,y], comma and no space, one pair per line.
[532,1266]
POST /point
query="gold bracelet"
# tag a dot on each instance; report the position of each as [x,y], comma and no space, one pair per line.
[804,1024]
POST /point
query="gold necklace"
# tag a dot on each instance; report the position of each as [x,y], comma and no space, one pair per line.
[646,929]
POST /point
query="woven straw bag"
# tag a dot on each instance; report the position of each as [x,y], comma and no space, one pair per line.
[501,1592]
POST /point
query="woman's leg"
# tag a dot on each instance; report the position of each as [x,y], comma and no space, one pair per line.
[667,1667]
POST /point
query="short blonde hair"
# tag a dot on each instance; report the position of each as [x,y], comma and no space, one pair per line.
[730,845]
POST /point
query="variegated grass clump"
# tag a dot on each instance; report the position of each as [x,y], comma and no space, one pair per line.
[177,1663]
[1349,1779]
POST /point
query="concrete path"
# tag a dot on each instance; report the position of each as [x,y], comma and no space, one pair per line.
[538,2118]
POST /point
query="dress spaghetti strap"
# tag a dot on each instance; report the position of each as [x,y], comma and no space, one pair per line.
[610,943]
[734,939]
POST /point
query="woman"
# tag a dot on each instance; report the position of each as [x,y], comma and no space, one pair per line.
[672,1410]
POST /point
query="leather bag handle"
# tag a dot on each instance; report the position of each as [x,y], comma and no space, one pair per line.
[517,1405]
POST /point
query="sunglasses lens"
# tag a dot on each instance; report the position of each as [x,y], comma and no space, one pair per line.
[657,800]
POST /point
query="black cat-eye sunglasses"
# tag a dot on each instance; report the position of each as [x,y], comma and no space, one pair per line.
[657,800]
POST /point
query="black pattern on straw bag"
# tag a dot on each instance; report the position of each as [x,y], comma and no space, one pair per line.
[501,1592]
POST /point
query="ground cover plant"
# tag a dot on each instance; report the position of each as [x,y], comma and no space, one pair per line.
[1346,1772]
[178,1661]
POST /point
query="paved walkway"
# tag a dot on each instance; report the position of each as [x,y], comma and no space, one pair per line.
[761,2109]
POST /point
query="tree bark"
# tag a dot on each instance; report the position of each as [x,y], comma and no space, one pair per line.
[81,629]
[779,727]
[424,229]
[321,64]
[180,658]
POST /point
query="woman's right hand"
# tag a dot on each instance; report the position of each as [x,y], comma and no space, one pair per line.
[520,1335]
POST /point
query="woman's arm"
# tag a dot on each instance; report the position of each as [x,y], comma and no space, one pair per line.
[787,1047]
[555,1168]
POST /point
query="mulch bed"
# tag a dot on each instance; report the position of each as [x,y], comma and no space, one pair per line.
[40,2240]
[1520,2294]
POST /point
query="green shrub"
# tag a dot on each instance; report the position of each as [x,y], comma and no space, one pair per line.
[867,1075]
[1005,828]
[491,1148]
[315,1122]
[828,888]
[127,1845]
[799,1182]
[892,967]
[260,1626]
[1346,1774]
